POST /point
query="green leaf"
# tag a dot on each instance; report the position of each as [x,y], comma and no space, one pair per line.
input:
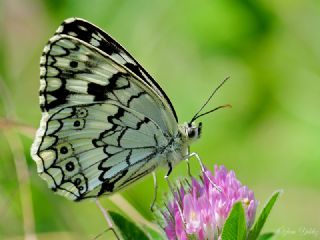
[126,228]
[154,235]
[266,236]
[255,231]
[235,226]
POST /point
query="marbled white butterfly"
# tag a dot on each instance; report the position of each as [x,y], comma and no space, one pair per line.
[105,121]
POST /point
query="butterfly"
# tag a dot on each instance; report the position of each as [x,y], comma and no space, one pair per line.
[105,121]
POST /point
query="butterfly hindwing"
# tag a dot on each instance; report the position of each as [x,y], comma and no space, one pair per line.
[84,155]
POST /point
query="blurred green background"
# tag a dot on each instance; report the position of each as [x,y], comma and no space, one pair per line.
[271,136]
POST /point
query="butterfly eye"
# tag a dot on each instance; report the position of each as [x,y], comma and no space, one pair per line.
[191,132]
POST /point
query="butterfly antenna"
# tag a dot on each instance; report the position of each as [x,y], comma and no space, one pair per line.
[215,109]
[208,100]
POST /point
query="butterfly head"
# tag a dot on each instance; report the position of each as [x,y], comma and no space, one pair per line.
[191,131]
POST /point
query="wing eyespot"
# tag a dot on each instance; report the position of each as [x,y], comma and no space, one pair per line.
[81,112]
[76,123]
[64,150]
[79,124]
[70,166]
[73,64]
[77,181]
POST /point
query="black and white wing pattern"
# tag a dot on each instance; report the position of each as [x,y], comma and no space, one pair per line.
[105,122]
[87,32]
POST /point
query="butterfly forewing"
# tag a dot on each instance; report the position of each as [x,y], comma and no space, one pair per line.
[73,72]
[89,33]
[103,125]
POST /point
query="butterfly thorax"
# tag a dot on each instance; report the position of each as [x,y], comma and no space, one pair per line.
[178,148]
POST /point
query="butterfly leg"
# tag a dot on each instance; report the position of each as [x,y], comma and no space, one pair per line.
[155,190]
[188,165]
[166,177]
[169,170]
[156,185]
[177,202]
[203,170]
[107,218]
